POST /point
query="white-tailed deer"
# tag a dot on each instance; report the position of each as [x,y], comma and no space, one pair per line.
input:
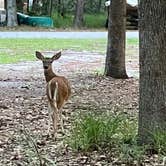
[58,91]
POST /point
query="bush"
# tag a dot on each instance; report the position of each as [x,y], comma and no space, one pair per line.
[90,20]
[62,21]
[116,134]
[159,141]
[95,132]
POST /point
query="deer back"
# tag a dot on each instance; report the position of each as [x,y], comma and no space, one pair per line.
[58,90]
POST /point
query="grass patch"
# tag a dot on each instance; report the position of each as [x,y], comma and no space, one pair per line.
[90,21]
[116,134]
[18,50]
[95,132]
[95,21]
[132,41]
[62,22]
[159,141]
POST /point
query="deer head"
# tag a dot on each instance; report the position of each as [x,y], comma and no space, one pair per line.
[47,62]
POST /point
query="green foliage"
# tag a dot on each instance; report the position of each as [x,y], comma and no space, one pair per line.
[91,132]
[90,20]
[95,20]
[132,41]
[128,130]
[17,50]
[62,21]
[131,152]
[159,141]
[104,132]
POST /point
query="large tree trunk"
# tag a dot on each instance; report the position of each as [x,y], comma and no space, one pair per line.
[152,110]
[115,59]
[11,13]
[78,19]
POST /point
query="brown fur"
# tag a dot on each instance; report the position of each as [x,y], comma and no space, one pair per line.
[57,84]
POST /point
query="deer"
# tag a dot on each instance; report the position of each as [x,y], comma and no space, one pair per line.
[58,91]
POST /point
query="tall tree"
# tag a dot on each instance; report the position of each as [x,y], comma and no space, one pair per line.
[79,12]
[11,13]
[115,59]
[152,110]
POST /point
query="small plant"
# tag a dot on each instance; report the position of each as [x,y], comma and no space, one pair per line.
[95,21]
[95,132]
[128,131]
[62,21]
[131,153]
[159,141]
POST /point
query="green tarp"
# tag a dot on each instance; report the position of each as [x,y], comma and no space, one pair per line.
[34,20]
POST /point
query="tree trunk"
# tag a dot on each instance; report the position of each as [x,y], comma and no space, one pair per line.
[152,110]
[78,19]
[115,59]
[11,13]
[99,6]
[59,7]
[27,6]
[50,8]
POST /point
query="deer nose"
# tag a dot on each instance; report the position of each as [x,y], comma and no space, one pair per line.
[45,67]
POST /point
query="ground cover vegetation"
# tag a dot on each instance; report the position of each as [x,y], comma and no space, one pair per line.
[17,50]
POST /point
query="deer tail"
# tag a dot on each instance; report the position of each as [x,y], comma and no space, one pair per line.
[52,95]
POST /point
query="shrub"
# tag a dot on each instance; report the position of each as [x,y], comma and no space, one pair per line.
[159,141]
[95,132]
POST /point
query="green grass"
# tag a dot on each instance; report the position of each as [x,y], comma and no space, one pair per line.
[159,141]
[90,21]
[62,22]
[132,41]
[107,133]
[95,132]
[95,21]
[18,50]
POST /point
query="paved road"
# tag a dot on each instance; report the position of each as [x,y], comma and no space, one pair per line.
[64,35]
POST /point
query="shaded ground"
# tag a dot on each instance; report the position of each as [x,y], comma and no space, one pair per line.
[23,107]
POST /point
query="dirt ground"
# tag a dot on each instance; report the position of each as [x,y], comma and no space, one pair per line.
[24,115]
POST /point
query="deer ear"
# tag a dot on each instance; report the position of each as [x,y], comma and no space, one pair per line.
[56,56]
[39,55]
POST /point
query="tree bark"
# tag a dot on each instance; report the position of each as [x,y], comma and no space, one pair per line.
[50,8]
[152,101]
[59,7]
[115,59]
[11,13]
[78,19]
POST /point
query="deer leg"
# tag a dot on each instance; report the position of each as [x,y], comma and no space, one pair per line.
[61,121]
[50,119]
[61,118]
[55,121]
